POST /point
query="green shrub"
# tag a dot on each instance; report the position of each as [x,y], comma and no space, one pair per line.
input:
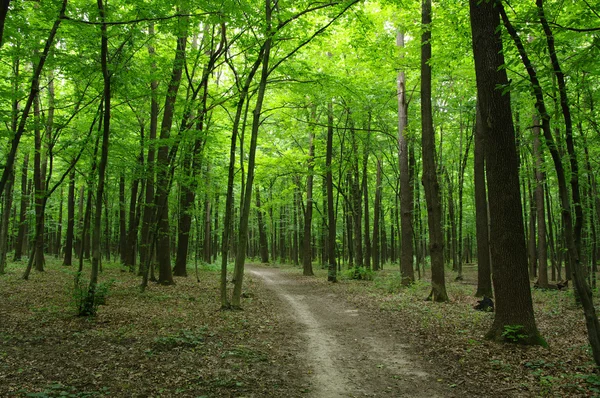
[87,301]
[359,273]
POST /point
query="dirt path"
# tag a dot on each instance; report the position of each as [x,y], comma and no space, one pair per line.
[346,351]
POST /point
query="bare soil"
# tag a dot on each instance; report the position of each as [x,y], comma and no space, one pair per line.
[346,351]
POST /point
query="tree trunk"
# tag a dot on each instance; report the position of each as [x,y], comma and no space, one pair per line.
[365,192]
[89,306]
[484,277]
[146,254]
[161,201]
[38,182]
[306,236]
[5,217]
[540,206]
[262,235]
[376,218]
[68,253]
[122,220]
[430,179]
[245,211]
[406,191]
[20,242]
[508,249]
[331,227]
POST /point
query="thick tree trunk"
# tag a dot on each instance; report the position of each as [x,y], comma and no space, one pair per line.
[430,179]
[508,249]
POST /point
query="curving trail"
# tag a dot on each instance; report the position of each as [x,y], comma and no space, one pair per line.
[346,352]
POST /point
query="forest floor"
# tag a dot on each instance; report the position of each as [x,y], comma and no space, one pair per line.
[297,337]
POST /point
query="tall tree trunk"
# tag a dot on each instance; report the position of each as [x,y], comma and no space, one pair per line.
[430,179]
[89,306]
[5,217]
[356,203]
[122,220]
[245,211]
[406,191]
[58,246]
[540,206]
[262,235]
[508,249]
[163,240]
[68,253]
[38,182]
[306,236]
[206,250]
[20,242]
[484,276]
[146,254]
[585,294]
[365,192]
[376,218]
[331,227]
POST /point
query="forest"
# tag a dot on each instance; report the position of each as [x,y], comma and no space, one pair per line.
[193,194]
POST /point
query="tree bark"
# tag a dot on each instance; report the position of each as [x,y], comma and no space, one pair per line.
[4,227]
[20,242]
[430,179]
[68,252]
[508,249]
[406,191]
[306,236]
[331,227]
[484,276]
[376,218]
[89,306]
[245,211]
[122,220]
[262,235]
[540,206]
[146,254]
[161,201]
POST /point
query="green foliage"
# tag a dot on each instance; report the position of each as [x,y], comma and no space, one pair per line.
[359,273]
[515,333]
